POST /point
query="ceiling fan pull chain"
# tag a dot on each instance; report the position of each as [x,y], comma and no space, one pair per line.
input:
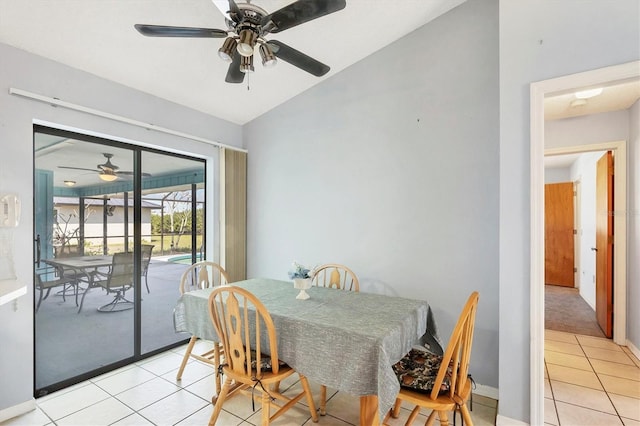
[248,78]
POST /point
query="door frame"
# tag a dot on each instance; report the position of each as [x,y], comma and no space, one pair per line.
[538,90]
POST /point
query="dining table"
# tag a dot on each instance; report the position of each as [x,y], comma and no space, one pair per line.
[81,267]
[345,340]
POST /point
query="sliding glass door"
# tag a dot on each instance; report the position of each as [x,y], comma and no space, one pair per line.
[115,225]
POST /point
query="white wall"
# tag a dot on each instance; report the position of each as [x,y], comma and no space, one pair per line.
[391,167]
[587,129]
[584,170]
[28,72]
[633,207]
[540,39]
[557,174]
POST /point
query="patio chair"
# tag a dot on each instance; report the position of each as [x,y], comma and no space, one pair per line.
[146,250]
[201,275]
[118,279]
[439,382]
[240,319]
[49,278]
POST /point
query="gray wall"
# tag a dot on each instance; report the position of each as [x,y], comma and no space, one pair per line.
[633,240]
[28,72]
[540,39]
[391,167]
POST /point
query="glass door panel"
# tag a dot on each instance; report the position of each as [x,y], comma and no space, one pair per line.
[172,196]
[115,227]
[84,317]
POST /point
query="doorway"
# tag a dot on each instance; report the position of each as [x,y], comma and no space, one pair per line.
[115,225]
[572,308]
[605,76]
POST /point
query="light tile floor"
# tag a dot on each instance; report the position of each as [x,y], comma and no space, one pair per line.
[146,393]
[590,381]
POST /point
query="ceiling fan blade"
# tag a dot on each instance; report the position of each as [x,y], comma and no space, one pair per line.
[79,168]
[300,12]
[298,59]
[167,31]
[234,75]
[234,11]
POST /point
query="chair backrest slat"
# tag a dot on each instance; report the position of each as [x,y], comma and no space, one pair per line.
[204,274]
[455,361]
[240,320]
[334,275]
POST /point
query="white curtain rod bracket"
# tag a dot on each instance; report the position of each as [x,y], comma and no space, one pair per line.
[56,102]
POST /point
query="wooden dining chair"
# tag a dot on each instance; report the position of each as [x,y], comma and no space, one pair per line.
[204,274]
[248,336]
[339,277]
[334,275]
[439,382]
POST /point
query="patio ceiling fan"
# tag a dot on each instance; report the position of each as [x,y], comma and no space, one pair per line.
[247,26]
[107,171]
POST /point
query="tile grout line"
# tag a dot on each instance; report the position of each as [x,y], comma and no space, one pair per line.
[606,392]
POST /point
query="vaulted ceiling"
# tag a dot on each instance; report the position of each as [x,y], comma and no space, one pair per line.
[98,36]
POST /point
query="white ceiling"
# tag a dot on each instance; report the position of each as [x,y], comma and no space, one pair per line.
[615,97]
[98,36]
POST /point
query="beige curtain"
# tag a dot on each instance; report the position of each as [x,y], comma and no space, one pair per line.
[233,204]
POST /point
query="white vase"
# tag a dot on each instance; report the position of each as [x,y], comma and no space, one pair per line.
[302,284]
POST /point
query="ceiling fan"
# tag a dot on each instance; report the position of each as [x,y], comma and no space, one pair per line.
[107,171]
[247,26]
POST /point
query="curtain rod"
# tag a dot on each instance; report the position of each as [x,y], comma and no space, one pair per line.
[148,126]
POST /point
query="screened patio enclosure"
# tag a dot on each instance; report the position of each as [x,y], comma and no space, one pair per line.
[97,201]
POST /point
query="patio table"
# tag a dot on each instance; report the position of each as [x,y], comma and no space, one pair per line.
[82,267]
[344,340]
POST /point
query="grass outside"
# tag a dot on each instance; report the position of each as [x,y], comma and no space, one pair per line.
[169,246]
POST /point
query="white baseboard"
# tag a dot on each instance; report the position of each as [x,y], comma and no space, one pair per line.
[634,350]
[17,410]
[488,391]
[507,421]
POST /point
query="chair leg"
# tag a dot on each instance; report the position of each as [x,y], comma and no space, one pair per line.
[323,400]
[40,299]
[431,418]
[413,415]
[218,406]
[146,282]
[216,363]
[444,419]
[466,416]
[266,409]
[187,354]
[395,411]
[307,391]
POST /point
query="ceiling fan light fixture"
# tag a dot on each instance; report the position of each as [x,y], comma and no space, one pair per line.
[268,58]
[69,183]
[108,176]
[246,64]
[227,50]
[586,94]
[247,40]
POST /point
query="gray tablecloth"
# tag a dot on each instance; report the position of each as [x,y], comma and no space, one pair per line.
[344,340]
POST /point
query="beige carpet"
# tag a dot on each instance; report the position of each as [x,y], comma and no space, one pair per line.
[565,310]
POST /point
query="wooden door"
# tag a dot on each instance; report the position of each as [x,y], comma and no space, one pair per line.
[604,243]
[559,236]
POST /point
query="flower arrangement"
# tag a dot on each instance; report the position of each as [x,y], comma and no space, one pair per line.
[300,271]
